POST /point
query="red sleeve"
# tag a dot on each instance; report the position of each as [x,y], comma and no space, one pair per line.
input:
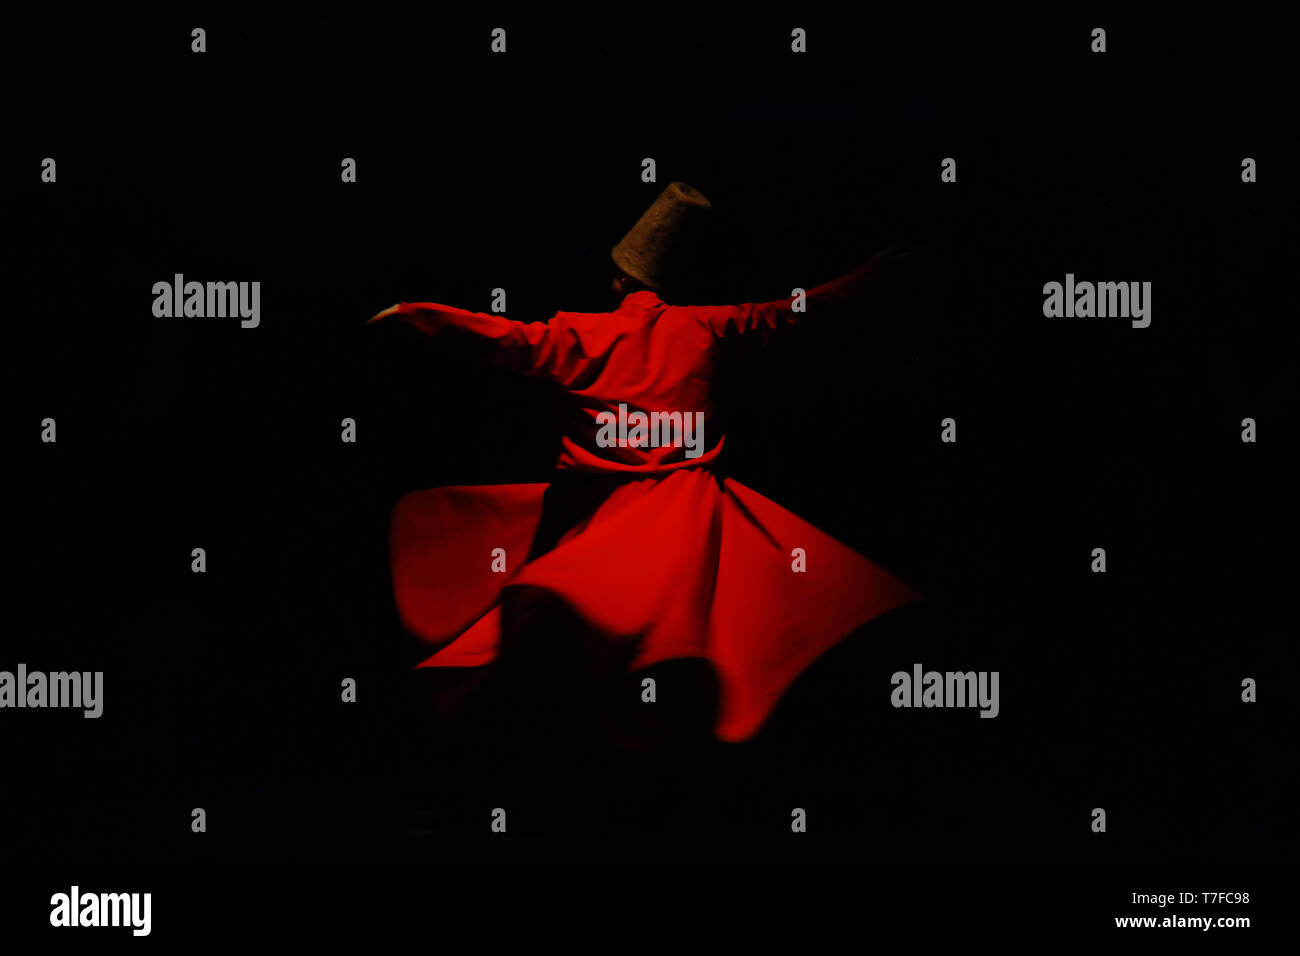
[516,346]
[820,302]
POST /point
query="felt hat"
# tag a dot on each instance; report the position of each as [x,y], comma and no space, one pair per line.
[652,251]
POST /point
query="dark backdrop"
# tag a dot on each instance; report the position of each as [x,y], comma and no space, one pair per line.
[475,171]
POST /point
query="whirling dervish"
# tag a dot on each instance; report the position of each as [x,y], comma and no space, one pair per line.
[637,536]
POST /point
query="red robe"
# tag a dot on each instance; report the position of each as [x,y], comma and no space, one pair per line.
[670,560]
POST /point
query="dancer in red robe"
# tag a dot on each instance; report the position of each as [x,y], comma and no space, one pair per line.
[657,556]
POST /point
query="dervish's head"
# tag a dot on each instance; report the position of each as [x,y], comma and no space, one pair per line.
[656,252]
[622,285]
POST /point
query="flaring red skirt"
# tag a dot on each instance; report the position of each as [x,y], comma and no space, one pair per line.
[688,565]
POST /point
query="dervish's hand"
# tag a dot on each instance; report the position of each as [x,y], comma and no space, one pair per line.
[383,315]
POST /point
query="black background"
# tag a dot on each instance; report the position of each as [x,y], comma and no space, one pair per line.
[475,171]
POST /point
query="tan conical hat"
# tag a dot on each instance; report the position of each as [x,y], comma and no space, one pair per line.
[646,252]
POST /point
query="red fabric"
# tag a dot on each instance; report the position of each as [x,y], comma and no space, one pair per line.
[673,561]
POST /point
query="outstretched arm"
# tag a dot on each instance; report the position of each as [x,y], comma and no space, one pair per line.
[759,319]
[516,346]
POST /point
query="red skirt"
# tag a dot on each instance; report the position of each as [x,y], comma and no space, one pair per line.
[687,565]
